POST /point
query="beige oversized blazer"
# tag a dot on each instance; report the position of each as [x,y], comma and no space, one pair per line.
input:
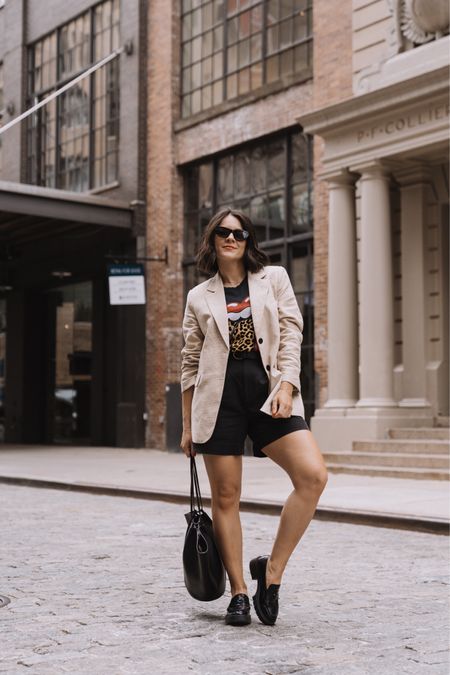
[278,326]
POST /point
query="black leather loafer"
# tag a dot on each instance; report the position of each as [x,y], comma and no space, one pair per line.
[238,611]
[265,599]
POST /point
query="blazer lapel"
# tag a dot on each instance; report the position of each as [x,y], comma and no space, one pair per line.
[215,297]
[258,287]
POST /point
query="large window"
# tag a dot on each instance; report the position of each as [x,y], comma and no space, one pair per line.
[233,47]
[72,141]
[271,181]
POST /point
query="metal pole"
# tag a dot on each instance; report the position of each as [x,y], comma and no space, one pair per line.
[56,93]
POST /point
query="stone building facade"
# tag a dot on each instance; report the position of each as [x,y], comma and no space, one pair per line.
[385,168]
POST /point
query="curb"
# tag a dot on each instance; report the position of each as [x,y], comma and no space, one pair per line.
[336,514]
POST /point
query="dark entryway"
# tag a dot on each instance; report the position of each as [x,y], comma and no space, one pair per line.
[71,365]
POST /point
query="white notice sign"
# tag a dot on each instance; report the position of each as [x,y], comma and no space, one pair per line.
[126,285]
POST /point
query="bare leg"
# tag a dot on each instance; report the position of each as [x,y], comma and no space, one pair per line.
[225,478]
[299,455]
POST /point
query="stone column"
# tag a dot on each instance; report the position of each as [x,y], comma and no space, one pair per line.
[342,293]
[413,204]
[376,311]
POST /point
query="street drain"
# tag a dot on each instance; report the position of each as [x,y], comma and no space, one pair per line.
[4,600]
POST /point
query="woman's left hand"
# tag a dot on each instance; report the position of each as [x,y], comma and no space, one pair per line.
[282,404]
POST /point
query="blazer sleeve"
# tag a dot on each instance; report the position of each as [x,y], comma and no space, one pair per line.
[291,332]
[193,342]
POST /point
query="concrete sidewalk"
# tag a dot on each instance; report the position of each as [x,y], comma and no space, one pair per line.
[414,504]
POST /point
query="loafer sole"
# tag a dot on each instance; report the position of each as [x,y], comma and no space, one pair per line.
[238,620]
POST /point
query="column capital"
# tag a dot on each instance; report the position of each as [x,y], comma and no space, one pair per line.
[339,177]
[377,168]
[414,174]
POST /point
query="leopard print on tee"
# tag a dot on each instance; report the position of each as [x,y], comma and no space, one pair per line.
[242,335]
[240,322]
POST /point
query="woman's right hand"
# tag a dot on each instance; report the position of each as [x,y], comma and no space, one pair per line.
[186,443]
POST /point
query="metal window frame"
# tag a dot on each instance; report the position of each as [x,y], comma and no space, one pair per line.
[264,56]
[31,49]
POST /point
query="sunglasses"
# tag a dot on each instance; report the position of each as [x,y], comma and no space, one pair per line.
[224,232]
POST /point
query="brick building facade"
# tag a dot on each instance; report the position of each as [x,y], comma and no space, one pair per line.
[217,136]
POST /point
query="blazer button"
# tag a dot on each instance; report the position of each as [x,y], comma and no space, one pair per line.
[260,340]
[267,367]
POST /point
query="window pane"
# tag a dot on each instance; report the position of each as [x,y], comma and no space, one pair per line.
[301,57]
[244,53]
[196,22]
[256,48]
[272,40]
[218,66]
[218,92]
[259,214]
[256,20]
[225,179]
[205,185]
[300,208]
[218,38]
[206,97]
[242,170]
[272,11]
[196,49]
[232,58]
[276,214]
[187,51]
[196,73]
[231,86]
[286,62]
[256,76]
[233,30]
[286,33]
[258,172]
[187,80]
[285,8]
[187,27]
[244,81]
[272,68]
[207,70]
[299,158]
[196,101]
[207,16]
[276,164]
[244,25]
[207,44]
[300,26]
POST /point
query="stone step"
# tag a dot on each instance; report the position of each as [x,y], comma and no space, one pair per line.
[426,433]
[402,445]
[389,472]
[442,421]
[397,459]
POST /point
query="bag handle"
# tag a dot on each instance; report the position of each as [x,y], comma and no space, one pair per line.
[195,487]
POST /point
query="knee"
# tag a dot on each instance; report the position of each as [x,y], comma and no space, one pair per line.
[226,496]
[315,481]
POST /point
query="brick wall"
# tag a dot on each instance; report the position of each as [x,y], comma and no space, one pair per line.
[164,217]
[332,63]
[168,147]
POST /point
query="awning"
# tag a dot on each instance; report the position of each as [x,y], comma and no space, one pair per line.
[29,212]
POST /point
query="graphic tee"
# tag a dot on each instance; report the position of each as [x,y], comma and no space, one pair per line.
[240,322]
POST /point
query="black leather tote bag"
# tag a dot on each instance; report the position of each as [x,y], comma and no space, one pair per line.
[204,573]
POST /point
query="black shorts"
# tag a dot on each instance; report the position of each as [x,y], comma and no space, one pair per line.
[245,389]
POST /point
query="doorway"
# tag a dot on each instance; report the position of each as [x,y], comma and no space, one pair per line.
[70,364]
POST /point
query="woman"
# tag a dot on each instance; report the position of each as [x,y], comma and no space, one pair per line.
[240,375]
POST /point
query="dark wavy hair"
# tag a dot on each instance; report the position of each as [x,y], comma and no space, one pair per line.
[254,257]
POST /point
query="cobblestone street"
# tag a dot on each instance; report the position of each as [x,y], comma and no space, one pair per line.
[96,588]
